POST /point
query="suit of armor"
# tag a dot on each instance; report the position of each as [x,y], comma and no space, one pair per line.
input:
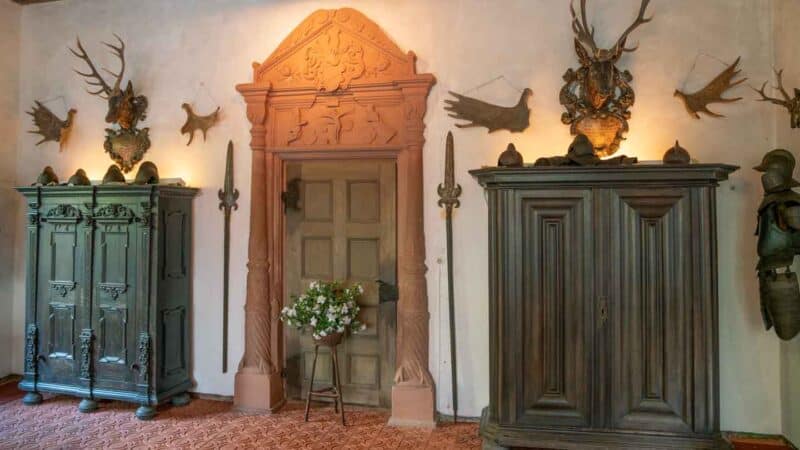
[778,242]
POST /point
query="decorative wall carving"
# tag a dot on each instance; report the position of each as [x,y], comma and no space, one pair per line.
[63,212]
[87,341]
[31,349]
[115,211]
[334,124]
[337,49]
[144,357]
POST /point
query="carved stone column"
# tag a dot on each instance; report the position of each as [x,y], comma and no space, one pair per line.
[258,382]
[413,399]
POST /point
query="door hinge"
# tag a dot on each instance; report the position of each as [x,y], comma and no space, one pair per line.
[291,196]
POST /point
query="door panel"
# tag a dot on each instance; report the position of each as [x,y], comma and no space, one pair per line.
[116,251]
[651,311]
[61,282]
[344,229]
[552,252]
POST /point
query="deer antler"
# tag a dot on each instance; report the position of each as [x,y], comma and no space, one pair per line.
[93,78]
[640,20]
[583,32]
[765,98]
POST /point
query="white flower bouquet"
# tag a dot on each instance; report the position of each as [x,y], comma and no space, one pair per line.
[326,308]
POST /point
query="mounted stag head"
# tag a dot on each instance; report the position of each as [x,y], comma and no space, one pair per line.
[791,104]
[124,107]
[597,95]
[601,82]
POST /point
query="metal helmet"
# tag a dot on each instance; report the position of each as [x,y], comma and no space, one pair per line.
[778,166]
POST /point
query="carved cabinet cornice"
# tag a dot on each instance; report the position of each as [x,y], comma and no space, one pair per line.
[603,306]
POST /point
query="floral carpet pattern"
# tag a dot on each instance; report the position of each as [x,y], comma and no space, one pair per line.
[57,424]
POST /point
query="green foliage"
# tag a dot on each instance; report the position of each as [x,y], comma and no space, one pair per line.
[325,308]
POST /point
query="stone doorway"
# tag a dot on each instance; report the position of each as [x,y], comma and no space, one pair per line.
[343,227]
[336,88]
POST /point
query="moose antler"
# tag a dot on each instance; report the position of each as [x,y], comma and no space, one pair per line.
[786,102]
[640,20]
[583,32]
[93,78]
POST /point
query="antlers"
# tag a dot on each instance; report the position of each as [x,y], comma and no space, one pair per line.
[585,34]
[93,78]
[640,20]
[765,98]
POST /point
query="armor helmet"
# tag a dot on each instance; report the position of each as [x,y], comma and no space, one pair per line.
[777,166]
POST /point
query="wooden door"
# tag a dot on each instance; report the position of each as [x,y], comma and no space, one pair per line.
[655,363]
[62,291]
[344,229]
[548,268]
[120,265]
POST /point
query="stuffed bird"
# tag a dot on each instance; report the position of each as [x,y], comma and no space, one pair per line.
[50,127]
[698,102]
[481,114]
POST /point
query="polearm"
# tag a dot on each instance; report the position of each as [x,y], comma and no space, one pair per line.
[228,197]
[449,192]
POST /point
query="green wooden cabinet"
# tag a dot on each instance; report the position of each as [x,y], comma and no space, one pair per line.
[108,293]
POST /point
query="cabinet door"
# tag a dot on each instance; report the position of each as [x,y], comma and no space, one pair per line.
[61,292]
[656,324]
[118,254]
[549,311]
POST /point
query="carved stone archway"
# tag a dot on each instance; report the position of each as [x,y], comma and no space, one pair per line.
[336,87]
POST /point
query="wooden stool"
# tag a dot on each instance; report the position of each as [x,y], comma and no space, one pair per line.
[335,391]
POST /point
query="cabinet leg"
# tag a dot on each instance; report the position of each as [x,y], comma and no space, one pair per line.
[87,405]
[181,399]
[32,398]
[145,412]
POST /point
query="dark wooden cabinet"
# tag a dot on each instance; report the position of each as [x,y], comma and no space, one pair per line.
[108,293]
[603,306]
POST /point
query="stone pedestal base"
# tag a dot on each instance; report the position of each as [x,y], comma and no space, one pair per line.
[258,392]
[413,406]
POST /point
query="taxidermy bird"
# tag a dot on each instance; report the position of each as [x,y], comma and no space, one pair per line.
[481,114]
[698,102]
[195,122]
[50,127]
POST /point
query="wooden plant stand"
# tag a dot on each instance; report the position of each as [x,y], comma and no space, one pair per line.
[335,391]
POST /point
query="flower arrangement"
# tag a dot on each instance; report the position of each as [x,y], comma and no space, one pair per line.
[326,308]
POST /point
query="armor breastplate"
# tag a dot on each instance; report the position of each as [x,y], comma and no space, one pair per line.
[776,247]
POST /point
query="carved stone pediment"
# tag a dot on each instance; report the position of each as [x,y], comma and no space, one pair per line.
[332,50]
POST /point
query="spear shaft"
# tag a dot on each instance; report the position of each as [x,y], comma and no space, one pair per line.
[449,192]
[227,203]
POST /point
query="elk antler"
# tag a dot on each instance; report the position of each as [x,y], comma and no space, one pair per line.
[93,78]
[619,47]
[583,32]
[786,102]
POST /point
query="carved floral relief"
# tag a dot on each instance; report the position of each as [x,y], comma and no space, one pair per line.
[337,124]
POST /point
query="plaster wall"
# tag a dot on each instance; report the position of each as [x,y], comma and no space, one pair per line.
[196,51]
[787,36]
[9,126]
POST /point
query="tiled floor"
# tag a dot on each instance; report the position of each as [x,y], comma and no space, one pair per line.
[56,423]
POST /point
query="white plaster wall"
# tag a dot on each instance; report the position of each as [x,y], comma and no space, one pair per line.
[787,35]
[174,46]
[9,125]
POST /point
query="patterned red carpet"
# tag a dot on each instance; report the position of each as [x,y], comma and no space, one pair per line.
[57,423]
